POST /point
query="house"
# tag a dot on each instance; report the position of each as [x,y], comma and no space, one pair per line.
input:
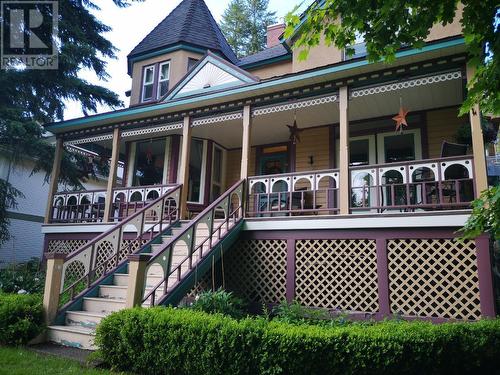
[284,178]
[26,220]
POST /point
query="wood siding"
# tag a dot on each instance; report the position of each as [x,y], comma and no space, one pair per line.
[313,142]
[442,126]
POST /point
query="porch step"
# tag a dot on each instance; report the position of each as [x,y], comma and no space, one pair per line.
[102,305]
[84,319]
[76,337]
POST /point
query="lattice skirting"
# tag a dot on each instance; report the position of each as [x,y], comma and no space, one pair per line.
[256,270]
[337,274]
[434,278]
[64,246]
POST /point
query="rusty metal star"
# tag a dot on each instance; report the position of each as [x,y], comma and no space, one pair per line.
[400,119]
[294,132]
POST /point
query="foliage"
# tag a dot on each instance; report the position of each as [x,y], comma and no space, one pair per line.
[386,25]
[21,318]
[182,341]
[19,361]
[29,98]
[26,278]
[244,24]
[8,200]
[220,301]
[464,133]
[485,217]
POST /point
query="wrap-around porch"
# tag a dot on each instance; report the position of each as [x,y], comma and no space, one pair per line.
[343,157]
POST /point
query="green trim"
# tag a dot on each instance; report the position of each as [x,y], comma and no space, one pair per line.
[270,61]
[266,84]
[24,217]
[243,78]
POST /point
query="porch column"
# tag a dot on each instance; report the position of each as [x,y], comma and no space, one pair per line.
[184,169]
[53,281]
[344,188]
[136,279]
[113,168]
[245,146]
[54,178]
[480,175]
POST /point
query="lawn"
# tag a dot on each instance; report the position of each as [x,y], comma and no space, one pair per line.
[18,361]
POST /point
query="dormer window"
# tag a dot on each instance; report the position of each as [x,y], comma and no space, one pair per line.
[163,78]
[148,83]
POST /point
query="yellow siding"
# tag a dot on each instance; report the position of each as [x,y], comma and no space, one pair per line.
[233,166]
[313,142]
[442,126]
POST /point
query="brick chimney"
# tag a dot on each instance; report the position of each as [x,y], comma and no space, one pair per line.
[273,34]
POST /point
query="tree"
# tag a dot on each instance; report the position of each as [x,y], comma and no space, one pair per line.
[29,98]
[244,24]
[485,217]
[388,24]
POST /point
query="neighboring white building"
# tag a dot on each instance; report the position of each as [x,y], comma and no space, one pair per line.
[26,221]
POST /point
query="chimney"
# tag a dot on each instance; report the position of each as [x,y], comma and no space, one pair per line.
[273,34]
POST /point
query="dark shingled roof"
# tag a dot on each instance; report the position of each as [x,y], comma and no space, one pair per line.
[269,53]
[190,22]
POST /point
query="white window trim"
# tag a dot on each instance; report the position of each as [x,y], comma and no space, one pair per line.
[203,174]
[222,182]
[381,148]
[144,82]
[162,80]
[372,152]
[166,160]
[131,163]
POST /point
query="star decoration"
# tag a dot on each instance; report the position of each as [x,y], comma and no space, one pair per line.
[400,119]
[294,132]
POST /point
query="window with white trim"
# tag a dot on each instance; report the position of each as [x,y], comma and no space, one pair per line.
[148,83]
[217,173]
[164,76]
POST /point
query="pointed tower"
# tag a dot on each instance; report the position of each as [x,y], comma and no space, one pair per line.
[169,51]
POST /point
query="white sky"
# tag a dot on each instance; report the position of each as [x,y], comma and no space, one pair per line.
[130,25]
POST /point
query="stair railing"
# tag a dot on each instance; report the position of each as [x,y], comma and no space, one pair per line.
[94,260]
[228,208]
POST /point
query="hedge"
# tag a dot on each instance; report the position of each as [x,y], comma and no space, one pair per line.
[21,318]
[181,341]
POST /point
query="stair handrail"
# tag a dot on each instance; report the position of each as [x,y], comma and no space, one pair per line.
[163,255]
[166,210]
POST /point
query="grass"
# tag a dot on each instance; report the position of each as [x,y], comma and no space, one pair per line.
[19,361]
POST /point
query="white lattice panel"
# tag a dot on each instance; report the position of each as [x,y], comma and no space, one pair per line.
[256,270]
[337,274]
[434,278]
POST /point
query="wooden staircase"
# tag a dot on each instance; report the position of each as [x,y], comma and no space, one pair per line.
[76,324]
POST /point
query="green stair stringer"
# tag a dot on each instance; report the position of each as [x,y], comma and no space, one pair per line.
[93,291]
[175,296]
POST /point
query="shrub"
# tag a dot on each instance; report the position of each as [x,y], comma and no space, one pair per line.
[220,301]
[182,341]
[21,318]
[23,277]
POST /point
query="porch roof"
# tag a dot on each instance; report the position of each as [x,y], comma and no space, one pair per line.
[340,70]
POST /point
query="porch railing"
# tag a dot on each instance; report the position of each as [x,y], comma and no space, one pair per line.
[88,206]
[196,241]
[434,184]
[293,194]
[95,259]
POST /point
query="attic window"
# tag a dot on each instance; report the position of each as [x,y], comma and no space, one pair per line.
[163,78]
[148,83]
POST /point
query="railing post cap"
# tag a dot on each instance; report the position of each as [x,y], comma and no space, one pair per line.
[55,256]
[139,257]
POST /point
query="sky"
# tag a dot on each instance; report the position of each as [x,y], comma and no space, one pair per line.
[130,25]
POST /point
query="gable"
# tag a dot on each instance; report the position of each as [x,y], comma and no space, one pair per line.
[211,73]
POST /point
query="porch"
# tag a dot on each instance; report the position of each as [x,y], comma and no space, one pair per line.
[341,156]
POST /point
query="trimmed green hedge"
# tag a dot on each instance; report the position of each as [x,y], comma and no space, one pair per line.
[21,318]
[181,341]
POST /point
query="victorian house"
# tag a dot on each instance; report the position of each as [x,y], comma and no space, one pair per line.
[333,181]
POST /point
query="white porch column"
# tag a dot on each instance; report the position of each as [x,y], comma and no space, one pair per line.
[54,178]
[245,148]
[480,174]
[113,168]
[344,179]
[184,168]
